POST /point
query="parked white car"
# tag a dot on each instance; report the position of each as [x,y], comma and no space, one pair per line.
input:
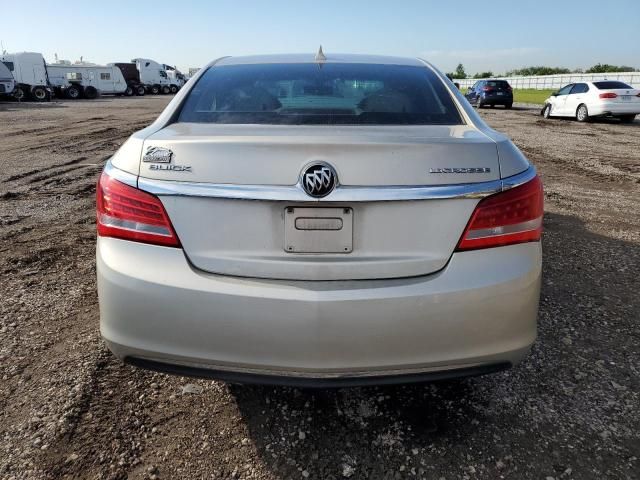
[605,98]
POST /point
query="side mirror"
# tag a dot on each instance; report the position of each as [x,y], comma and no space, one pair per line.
[554,94]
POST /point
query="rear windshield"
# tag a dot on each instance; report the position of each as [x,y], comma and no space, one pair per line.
[498,84]
[608,85]
[320,94]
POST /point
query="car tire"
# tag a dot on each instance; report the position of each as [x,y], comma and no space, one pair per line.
[39,94]
[479,103]
[546,111]
[166,90]
[140,91]
[72,92]
[129,91]
[155,89]
[582,113]
[627,118]
[174,89]
[508,106]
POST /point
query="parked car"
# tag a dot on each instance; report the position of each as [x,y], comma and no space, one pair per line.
[324,221]
[604,98]
[491,93]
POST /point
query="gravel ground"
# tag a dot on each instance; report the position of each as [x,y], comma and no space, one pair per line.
[69,409]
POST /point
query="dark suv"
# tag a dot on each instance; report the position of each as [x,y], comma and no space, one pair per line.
[490,92]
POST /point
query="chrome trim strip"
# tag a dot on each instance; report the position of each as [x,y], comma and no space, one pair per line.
[342,193]
[520,178]
[131,226]
[120,175]
[526,226]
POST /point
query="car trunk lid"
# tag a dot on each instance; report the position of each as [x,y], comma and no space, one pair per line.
[350,234]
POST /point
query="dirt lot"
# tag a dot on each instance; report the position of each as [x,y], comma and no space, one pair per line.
[68,408]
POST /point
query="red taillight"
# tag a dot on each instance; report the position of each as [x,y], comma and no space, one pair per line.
[131,214]
[513,216]
[609,95]
[487,89]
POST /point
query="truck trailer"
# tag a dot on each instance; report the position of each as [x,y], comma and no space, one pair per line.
[29,71]
[131,77]
[86,80]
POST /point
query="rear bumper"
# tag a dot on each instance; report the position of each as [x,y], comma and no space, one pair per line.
[316,381]
[497,99]
[476,315]
[613,108]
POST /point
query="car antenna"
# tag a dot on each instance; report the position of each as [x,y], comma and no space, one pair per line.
[320,55]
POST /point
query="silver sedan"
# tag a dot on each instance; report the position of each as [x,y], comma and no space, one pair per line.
[319,220]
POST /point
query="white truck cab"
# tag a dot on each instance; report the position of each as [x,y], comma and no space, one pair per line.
[153,75]
[176,77]
[7,83]
[30,74]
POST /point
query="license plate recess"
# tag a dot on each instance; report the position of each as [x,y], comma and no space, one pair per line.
[318,229]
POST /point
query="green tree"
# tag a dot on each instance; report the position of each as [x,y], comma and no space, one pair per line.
[606,68]
[540,70]
[488,74]
[459,73]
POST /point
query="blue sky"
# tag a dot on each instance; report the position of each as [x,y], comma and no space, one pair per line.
[483,35]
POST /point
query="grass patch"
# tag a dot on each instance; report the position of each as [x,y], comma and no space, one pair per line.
[529,95]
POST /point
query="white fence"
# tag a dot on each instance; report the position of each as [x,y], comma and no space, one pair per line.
[541,82]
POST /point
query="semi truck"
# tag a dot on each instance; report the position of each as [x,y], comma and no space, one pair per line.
[29,71]
[176,77]
[86,80]
[153,76]
[7,83]
[144,75]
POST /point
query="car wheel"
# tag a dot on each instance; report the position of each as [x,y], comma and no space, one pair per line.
[546,111]
[627,118]
[174,89]
[582,114]
[39,94]
[508,106]
[479,103]
[155,89]
[166,90]
[140,90]
[128,92]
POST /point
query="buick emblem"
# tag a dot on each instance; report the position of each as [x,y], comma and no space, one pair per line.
[319,180]
[157,155]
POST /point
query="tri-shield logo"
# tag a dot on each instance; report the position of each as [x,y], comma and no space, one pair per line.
[319,179]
